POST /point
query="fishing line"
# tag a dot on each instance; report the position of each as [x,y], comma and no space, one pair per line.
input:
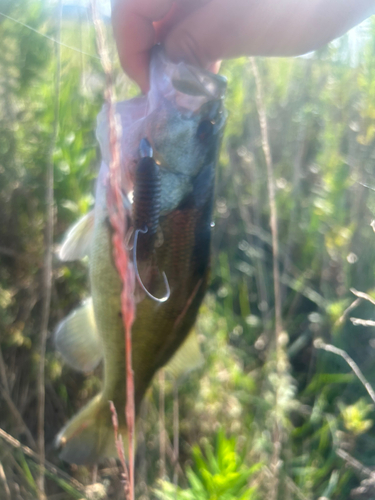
[366,185]
[48,37]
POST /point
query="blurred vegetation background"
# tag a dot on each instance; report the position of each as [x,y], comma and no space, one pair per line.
[260,419]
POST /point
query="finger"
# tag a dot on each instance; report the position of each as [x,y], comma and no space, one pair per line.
[223,29]
[179,10]
[203,36]
[135,35]
[214,67]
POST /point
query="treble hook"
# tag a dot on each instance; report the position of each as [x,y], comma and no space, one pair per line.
[168,294]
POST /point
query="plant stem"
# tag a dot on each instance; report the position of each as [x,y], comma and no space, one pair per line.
[3,479]
[47,267]
[276,272]
[319,344]
[162,423]
[48,465]
[118,220]
[175,433]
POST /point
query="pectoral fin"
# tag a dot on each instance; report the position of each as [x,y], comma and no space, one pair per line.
[186,359]
[77,339]
[78,240]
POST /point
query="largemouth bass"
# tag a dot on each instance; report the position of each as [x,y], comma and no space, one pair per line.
[170,144]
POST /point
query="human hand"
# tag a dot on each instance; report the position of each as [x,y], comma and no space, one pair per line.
[202,32]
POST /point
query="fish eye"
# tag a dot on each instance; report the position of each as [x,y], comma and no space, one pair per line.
[205,129]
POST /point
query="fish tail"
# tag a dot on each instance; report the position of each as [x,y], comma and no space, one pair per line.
[89,435]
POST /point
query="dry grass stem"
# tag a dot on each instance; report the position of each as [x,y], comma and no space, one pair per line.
[18,417]
[5,392]
[162,433]
[171,457]
[120,449]
[3,479]
[48,465]
[291,485]
[354,463]
[94,474]
[117,181]
[176,450]
[344,315]
[274,487]
[168,446]
[252,230]
[362,295]
[362,322]
[47,268]
[271,195]
[297,284]
[3,373]
[319,344]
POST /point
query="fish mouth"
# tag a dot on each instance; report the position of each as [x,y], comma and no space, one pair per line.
[186,86]
[197,82]
[194,88]
[185,78]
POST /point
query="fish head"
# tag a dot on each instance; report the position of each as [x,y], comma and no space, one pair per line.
[184,124]
[182,117]
[183,142]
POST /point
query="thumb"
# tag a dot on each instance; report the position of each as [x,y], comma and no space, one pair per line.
[199,38]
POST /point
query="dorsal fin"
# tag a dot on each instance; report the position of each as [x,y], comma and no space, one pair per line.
[77,339]
[77,243]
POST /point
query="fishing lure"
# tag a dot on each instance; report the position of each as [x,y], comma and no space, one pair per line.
[146,212]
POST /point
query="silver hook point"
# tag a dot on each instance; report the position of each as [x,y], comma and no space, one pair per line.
[156,299]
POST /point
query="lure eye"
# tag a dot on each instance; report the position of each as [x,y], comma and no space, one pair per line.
[205,130]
